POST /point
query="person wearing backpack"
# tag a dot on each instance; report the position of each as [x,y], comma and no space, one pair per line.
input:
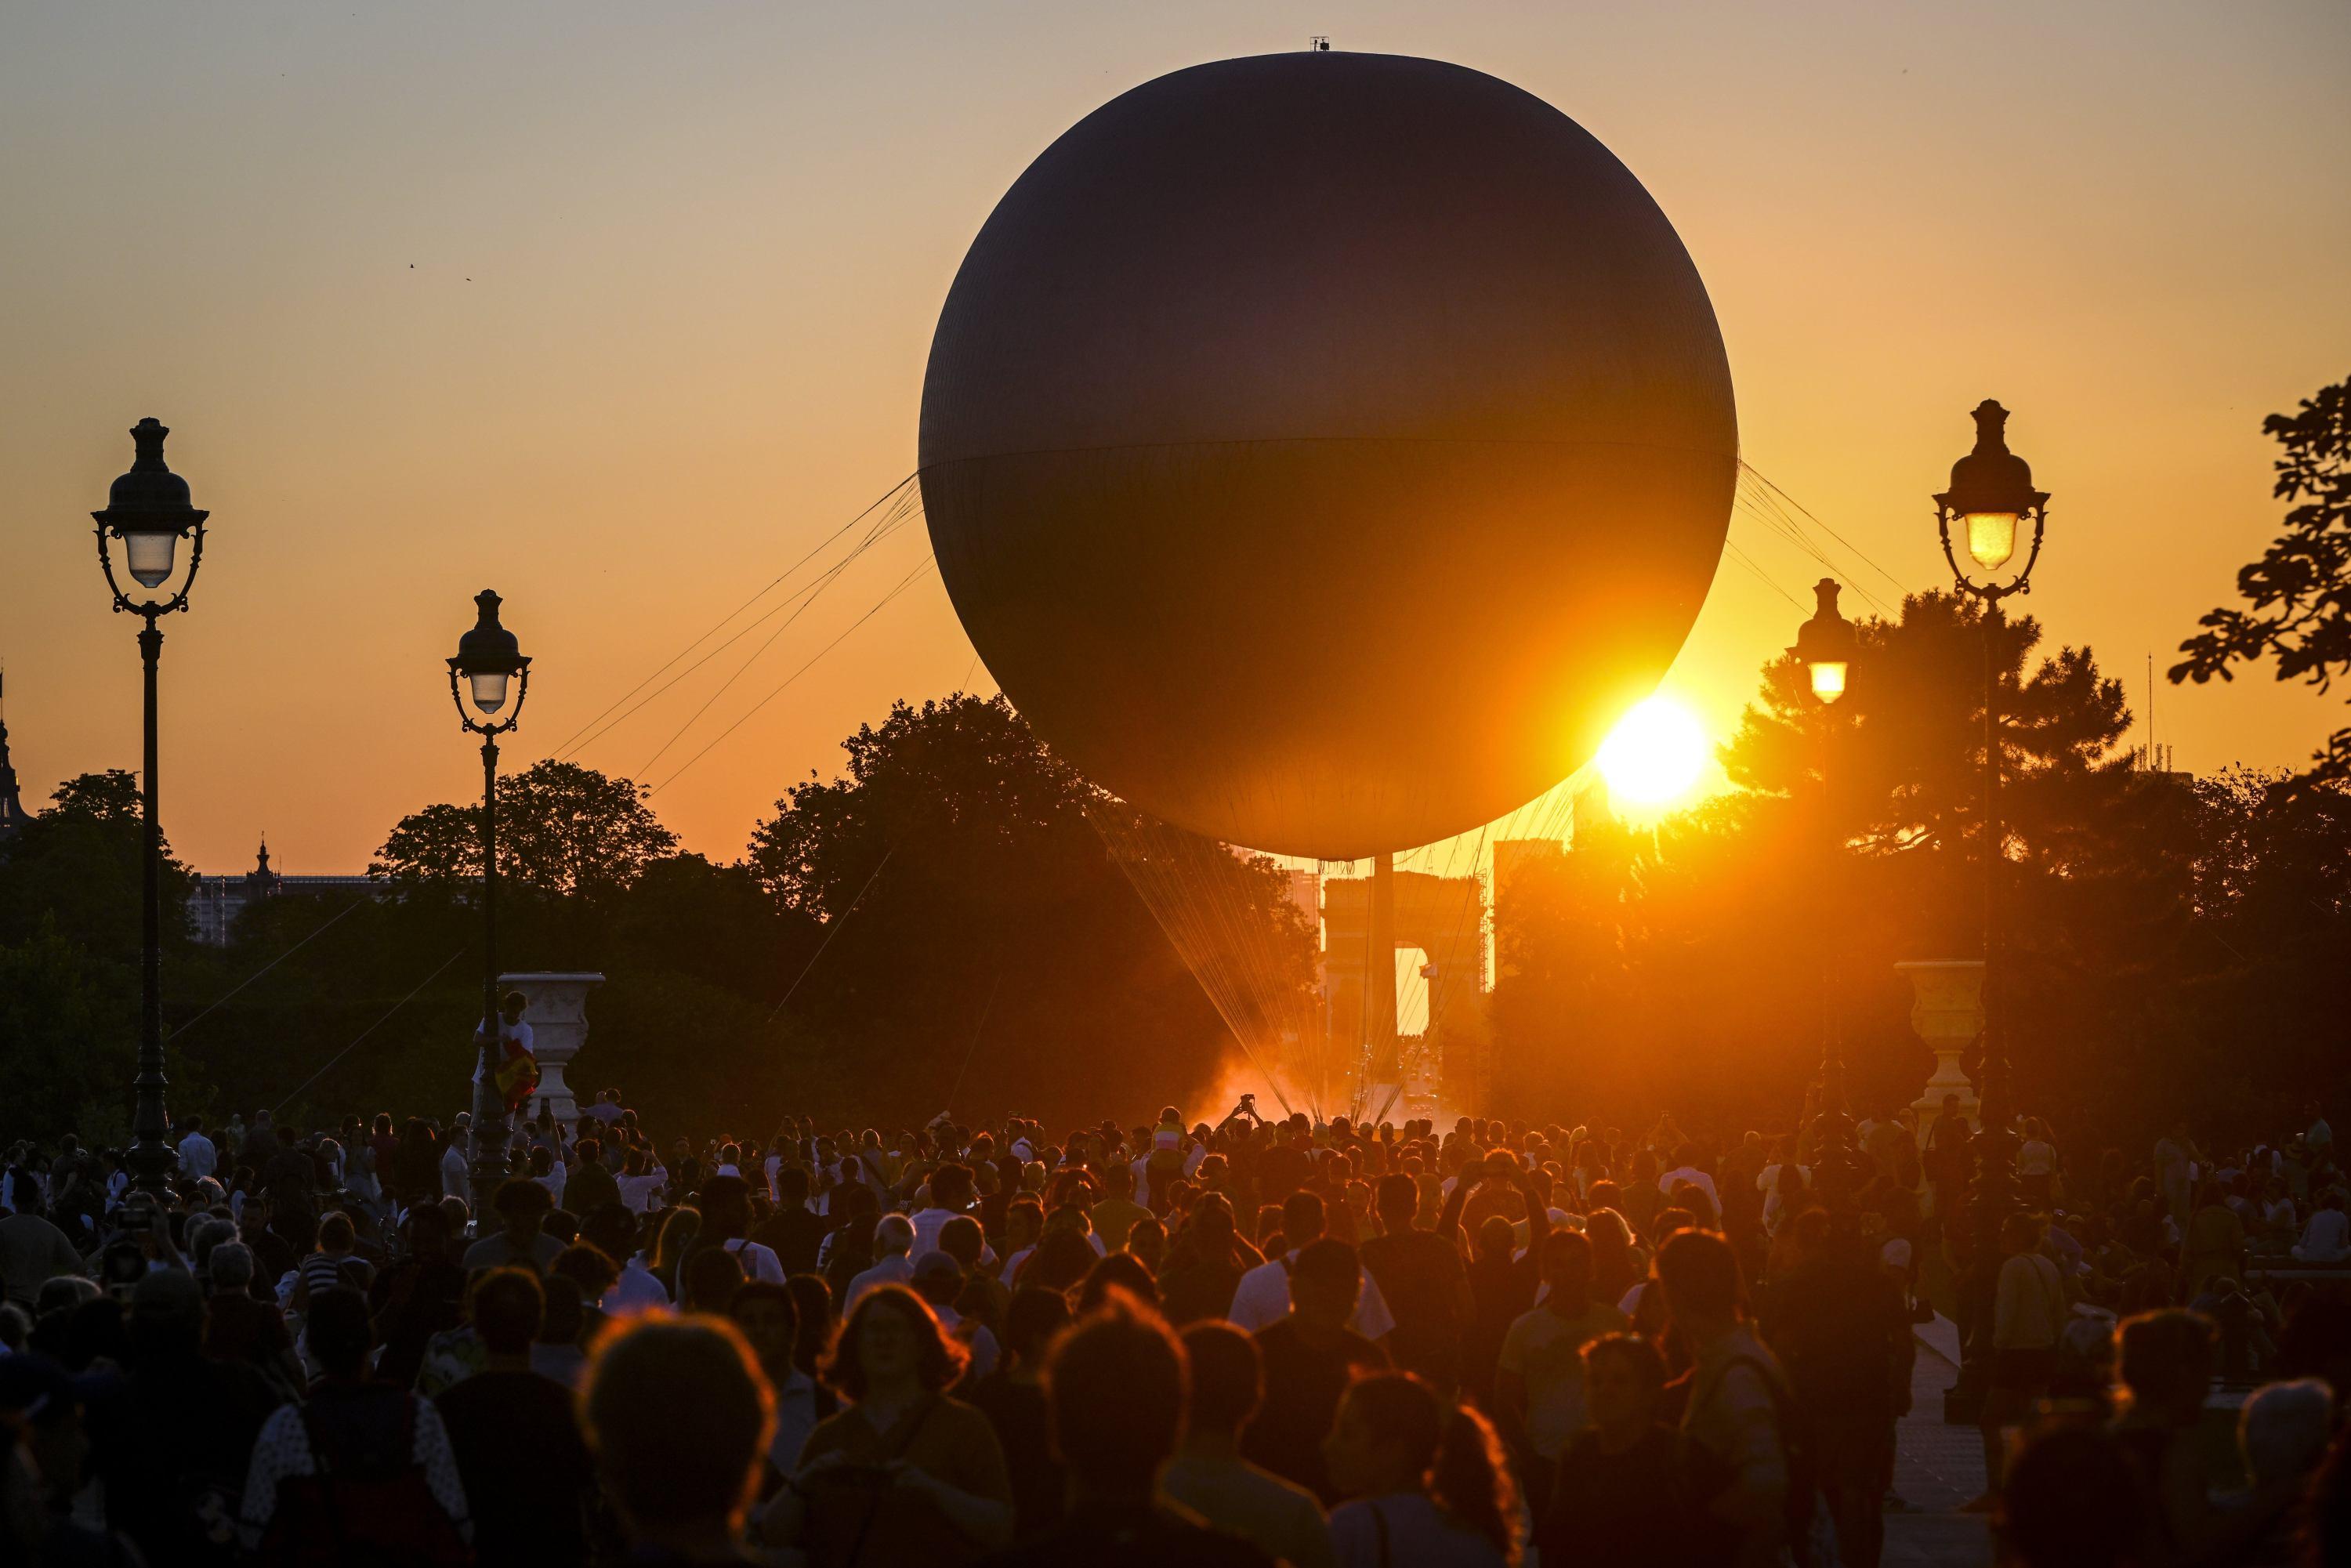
[363,1474]
[1736,1414]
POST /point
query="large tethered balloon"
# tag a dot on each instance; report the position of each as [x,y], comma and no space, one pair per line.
[1324,450]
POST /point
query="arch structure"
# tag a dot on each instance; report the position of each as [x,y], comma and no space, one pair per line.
[1366,922]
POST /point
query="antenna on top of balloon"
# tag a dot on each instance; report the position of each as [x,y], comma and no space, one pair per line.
[1319,44]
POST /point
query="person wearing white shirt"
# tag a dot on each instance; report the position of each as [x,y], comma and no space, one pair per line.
[640,1182]
[758,1261]
[1262,1298]
[456,1179]
[951,1195]
[198,1158]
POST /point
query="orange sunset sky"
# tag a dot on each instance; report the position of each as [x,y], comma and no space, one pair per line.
[619,308]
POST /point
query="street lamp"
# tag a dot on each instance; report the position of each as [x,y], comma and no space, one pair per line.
[1827,646]
[1991,498]
[148,514]
[488,662]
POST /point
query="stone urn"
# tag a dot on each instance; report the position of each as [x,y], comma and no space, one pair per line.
[1947,1011]
[555,1007]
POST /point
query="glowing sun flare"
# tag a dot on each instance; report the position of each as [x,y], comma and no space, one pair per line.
[1655,754]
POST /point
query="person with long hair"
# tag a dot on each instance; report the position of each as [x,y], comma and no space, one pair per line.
[1427,1479]
[680,1224]
[904,1474]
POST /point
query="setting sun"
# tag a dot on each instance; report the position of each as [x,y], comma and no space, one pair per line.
[1655,754]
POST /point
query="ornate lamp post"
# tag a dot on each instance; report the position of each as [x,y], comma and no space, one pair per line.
[147,512]
[1828,647]
[1991,498]
[488,661]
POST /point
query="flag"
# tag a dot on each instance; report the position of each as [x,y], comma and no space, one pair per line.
[518,1073]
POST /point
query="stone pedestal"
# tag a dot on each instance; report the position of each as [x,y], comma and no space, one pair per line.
[557,1012]
[1946,1012]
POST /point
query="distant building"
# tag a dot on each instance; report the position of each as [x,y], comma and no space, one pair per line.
[12,815]
[221,899]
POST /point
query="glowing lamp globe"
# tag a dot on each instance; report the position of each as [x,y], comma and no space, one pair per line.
[1324,450]
[1991,537]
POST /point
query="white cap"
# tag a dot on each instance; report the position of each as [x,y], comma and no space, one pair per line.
[1895,1253]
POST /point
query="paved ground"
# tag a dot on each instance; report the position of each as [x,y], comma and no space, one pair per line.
[1936,1469]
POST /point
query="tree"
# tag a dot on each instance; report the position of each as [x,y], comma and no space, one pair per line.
[2299,592]
[78,861]
[976,931]
[71,1024]
[563,830]
[70,885]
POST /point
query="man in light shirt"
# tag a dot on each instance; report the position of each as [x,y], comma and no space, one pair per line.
[198,1158]
[456,1180]
[1262,1298]
[950,1188]
[638,1287]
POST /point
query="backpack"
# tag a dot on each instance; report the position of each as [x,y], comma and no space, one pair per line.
[368,1504]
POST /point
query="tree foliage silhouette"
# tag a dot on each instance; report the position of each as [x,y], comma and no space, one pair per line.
[563,830]
[2297,596]
[996,884]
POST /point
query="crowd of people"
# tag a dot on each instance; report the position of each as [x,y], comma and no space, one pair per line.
[1331,1345]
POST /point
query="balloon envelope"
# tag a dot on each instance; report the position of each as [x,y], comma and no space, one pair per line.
[1322,450]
